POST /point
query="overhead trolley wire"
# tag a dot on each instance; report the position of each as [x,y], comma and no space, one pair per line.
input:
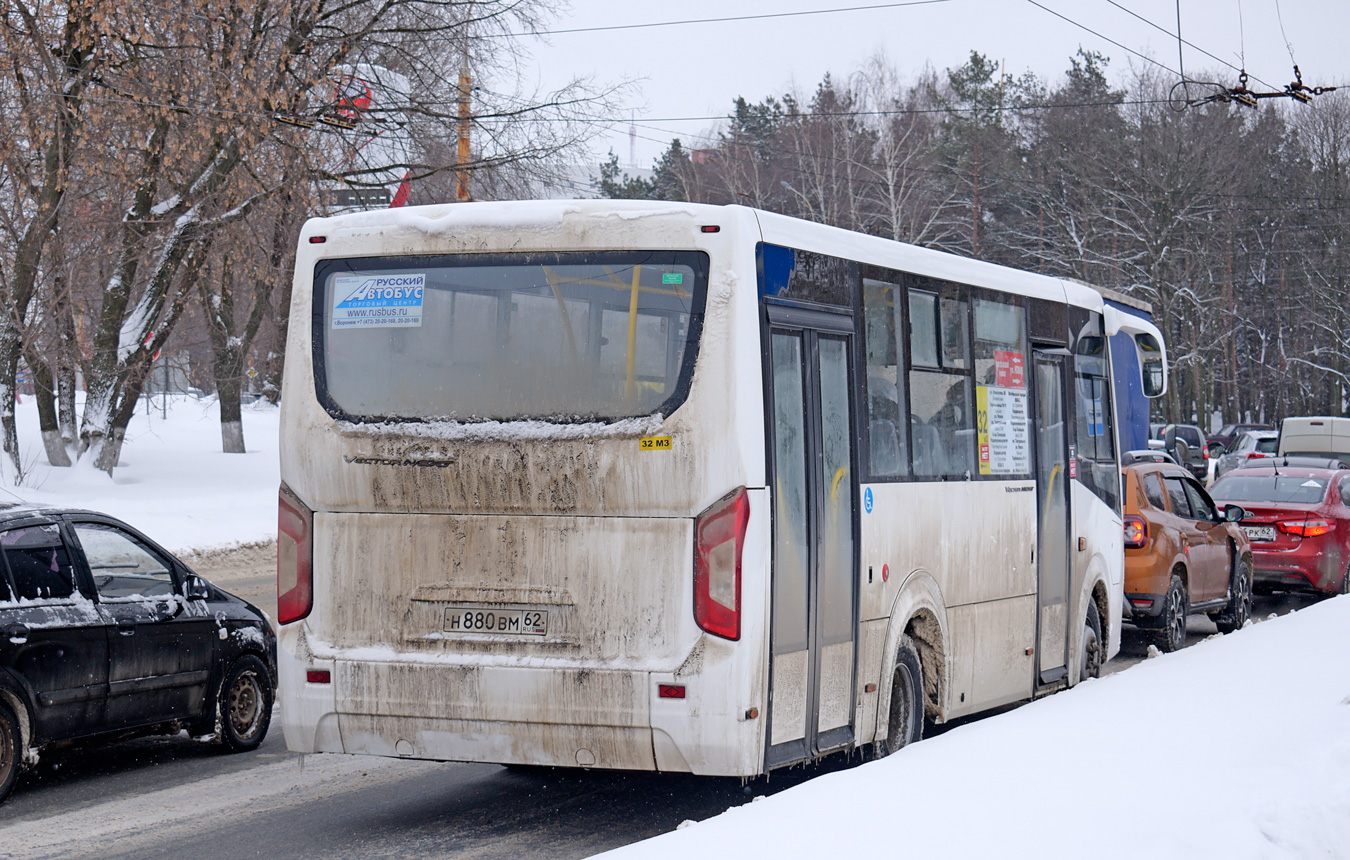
[725,20]
[1123,47]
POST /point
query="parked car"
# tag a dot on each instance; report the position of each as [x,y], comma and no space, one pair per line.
[1225,439]
[1152,455]
[1298,522]
[105,634]
[1185,443]
[1249,445]
[1183,555]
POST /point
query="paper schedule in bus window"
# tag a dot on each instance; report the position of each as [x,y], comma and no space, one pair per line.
[1004,430]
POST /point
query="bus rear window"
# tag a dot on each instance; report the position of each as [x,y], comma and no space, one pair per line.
[556,337]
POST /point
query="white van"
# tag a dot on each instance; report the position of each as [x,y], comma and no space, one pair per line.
[1318,436]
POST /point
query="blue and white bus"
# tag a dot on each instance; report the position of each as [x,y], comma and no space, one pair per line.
[685,488]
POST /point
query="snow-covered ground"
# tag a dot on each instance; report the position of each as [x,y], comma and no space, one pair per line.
[1238,747]
[174,483]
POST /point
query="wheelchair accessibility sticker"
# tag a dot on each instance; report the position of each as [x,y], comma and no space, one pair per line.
[867,500]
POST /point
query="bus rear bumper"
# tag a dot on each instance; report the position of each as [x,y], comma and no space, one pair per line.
[601,718]
[499,742]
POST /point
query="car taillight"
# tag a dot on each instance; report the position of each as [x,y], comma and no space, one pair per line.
[295,557]
[1256,455]
[1205,451]
[1305,528]
[1136,532]
[719,537]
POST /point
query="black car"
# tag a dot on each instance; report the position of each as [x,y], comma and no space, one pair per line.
[1185,443]
[104,633]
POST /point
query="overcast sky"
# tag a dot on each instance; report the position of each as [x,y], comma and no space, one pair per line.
[695,70]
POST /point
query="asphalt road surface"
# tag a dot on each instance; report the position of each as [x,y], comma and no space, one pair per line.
[170,797]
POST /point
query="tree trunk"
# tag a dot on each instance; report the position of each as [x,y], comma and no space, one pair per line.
[228,368]
[10,345]
[67,359]
[122,406]
[57,455]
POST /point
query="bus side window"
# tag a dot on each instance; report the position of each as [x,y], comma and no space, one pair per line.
[1092,405]
[942,417]
[887,440]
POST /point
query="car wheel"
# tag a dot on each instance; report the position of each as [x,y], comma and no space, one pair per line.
[11,751]
[1239,603]
[905,725]
[245,704]
[1216,451]
[1090,656]
[1172,634]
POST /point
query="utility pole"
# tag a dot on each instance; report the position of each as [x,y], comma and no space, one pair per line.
[462,155]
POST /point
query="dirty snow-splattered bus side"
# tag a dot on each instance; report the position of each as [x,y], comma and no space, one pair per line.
[682,487]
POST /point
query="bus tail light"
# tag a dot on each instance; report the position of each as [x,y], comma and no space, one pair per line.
[1136,532]
[295,557]
[719,537]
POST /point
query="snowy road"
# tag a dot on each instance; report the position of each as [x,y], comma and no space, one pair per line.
[171,798]
[147,798]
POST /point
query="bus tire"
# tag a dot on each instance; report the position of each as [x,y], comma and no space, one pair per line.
[904,725]
[1171,634]
[11,751]
[1091,652]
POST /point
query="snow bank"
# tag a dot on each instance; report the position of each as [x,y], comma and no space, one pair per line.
[174,483]
[1237,747]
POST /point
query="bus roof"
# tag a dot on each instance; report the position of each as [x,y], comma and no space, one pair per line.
[773,228]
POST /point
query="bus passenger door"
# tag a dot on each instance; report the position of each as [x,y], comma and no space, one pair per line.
[1053,471]
[814,590]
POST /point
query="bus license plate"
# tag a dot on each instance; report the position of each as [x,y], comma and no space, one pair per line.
[481,619]
[1259,532]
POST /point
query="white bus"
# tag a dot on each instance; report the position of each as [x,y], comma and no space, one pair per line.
[682,487]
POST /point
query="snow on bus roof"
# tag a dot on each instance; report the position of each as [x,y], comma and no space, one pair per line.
[550,215]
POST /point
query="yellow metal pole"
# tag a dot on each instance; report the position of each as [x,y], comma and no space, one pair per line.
[630,386]
[562,309]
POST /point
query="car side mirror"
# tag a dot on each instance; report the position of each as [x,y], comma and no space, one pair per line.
[196,588]
[1234,513]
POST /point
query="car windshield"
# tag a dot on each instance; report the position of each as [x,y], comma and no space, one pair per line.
[1270,488]
[1226,430]
[562,337]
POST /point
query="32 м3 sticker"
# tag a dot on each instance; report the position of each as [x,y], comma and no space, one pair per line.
[654,443]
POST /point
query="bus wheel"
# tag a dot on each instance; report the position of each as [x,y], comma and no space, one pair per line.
[906,718]
[1090,656]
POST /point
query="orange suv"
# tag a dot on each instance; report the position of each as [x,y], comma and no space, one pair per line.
[1182,555]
